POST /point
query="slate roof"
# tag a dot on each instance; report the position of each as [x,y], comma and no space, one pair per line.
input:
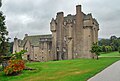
[69,17]
[95,21]
[87,17]
[34,40]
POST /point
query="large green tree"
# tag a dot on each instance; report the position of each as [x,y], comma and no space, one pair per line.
[3,35]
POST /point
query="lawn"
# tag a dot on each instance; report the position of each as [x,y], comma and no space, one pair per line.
[65,70]
[111,54]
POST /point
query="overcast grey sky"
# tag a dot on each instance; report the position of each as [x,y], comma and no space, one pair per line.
[33,16]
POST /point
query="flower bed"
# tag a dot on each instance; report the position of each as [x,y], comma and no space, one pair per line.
[14,67]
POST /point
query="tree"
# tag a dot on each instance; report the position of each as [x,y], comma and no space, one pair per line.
[110,44]
[103,48]
[112,38]
[3,35]
[105,42]
[119,49]
[95,49]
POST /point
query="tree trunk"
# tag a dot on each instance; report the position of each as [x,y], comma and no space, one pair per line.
[97,57]
[4,64]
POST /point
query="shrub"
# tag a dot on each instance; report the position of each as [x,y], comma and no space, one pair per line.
[14,66]
[18,55]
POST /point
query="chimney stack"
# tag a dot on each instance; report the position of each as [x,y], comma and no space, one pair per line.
[78,9]
[60,14]
[26,35]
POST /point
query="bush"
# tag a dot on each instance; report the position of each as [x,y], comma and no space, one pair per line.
[18,55]
[14,66]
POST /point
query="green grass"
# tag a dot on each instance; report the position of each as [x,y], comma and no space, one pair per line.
[66,70]
[111,54]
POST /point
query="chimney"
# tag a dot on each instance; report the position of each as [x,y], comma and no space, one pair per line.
[26,35]
[78,9]
[60,17]
[15,39]
[60,13]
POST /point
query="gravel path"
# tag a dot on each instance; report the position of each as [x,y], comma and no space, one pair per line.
[112,73]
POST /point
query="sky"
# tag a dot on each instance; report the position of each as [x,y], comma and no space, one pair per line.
[32,17]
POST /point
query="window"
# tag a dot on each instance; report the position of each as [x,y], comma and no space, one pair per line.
[26,49]
[65,38]
[57,48]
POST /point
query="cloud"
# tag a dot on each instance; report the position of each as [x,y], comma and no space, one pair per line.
[33,16]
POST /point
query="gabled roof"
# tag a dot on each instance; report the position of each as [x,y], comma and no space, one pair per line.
[20,42]
[34,40]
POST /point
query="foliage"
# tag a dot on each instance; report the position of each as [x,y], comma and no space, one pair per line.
[108,48]
[105,42]
[103,48]
[119,49]
[95,49]
[18,55]
[3,35]
[110,44]
[14,66]
[11,47]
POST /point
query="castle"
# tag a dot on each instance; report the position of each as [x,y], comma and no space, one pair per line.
[72,37]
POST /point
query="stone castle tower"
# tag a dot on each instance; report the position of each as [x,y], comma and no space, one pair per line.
[73,35]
